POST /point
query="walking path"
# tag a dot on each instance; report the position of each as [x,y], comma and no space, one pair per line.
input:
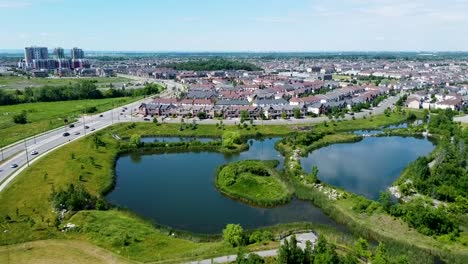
[301,242]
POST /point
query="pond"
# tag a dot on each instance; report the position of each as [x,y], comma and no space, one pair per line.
[176,139]
[367,167]
[177,190]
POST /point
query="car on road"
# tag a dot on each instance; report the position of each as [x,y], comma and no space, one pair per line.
[14,165]
[66,134]
[100,115]
[146,119]
[92,129]
[34,152]
[76,133]
[71,126]
[86,127]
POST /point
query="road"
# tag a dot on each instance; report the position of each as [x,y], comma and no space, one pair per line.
[20,153]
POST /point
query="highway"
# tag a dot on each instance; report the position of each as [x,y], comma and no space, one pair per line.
[17,154]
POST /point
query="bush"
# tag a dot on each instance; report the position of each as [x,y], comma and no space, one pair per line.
[21,118]
[74,199]
[233,234]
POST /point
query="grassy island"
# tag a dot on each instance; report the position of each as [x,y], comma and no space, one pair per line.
[255,182]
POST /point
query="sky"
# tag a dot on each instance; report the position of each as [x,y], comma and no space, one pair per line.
[236,25]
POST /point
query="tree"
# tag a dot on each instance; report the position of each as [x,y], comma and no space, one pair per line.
[324,252]
[244,115]
[425,115]
[252,258]
[313,176]
[135,140]
[255,237]
[284,115]
[262,115]
[234,235]
[297,113]
[386,201]
[21,118]
[361,248]
[201,115]
[289,252]
[381,256]
[229,139]
[387,111]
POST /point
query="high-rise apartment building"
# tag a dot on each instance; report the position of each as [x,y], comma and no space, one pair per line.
[77,53]
[35,53]
[59,53]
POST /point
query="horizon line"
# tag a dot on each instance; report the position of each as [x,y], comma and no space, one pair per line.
[251,51]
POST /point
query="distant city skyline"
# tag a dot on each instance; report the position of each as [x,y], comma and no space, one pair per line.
[241,25]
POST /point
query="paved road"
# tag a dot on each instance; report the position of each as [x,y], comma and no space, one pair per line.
[17,154]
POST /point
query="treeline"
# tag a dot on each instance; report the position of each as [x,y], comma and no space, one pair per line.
[447,180]
[212,65]
[76,91]
[325,252]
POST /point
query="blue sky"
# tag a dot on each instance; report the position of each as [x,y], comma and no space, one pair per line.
[236,25]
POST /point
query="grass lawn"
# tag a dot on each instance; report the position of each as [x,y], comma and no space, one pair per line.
[253,181]
[165,129]
[341,77]
[58,252]
[372,122]
[49,115]
[15,82]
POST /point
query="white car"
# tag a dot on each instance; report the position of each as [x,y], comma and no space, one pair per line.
[14,165]
[34,152]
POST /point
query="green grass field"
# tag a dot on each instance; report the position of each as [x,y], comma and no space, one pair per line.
[15,82]
[47,116]
[58,252]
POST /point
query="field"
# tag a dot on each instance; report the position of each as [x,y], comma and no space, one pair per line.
[15,82]
[46,116]
[58,252]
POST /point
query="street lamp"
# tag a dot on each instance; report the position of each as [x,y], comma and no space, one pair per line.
[26,149]
[1,149]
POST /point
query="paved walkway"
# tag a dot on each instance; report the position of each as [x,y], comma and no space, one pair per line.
[301,242]
[463,119]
